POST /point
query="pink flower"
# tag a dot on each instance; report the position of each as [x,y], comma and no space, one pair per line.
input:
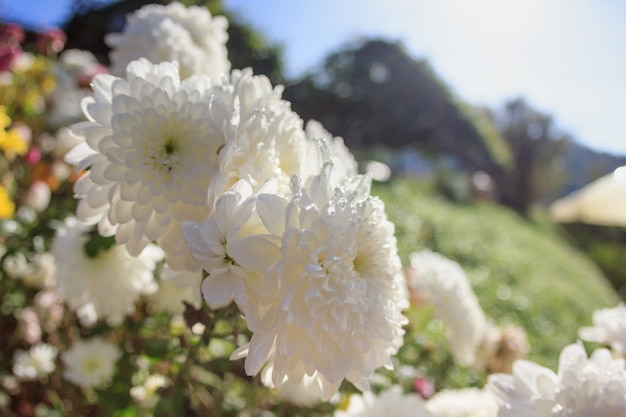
[424,387]
[11,34]
[52,41]
[8,55]
[33,156]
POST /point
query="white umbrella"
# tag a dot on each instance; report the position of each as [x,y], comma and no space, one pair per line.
[602,202]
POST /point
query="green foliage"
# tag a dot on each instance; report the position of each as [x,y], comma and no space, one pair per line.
[521,273]
[494,143]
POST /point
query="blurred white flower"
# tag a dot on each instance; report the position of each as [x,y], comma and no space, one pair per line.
[392,402]
[188,35]
[38,272]
[34,364]
[171,298]
[151,153]
[147,394]
[448,288]
[37,196]
[102,285]
[583,386]
[90,363]
[467,402]
[49,308]
[29,326]
[71,73]
[609,328]
[189,281]
[339,282]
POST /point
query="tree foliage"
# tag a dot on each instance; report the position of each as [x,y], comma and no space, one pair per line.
[535,144]
[375,94]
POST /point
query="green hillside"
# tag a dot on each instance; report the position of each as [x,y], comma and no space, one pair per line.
[522,272]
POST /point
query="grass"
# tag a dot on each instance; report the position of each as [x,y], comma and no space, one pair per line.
[522,271]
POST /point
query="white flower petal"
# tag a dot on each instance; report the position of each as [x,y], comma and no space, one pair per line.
[255,253]
[272,209]
[218,290]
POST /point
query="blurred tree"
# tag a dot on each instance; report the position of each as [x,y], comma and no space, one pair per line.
[375,94]
[537,148]
[92,19]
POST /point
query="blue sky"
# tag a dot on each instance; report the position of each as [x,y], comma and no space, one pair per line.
[565,56]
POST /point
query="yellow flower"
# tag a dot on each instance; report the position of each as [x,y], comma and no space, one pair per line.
[11,140]
[5,120]
[7,207]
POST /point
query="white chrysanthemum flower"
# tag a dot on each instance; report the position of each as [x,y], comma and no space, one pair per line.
[265,139]
[584,386]
[105,285]
[392,402]
[231,248]
[189,35]
[448,287]
[152,152]
[90,363]
[34,364]
[340,286]
[345,164]
[468,402]
[609,328]
[147,394]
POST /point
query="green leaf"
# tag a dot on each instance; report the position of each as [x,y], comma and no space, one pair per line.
[98,243]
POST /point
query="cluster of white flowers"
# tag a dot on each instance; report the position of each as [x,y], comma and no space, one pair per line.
[583,386]
[38,272]
[36,363]
[104,286]
[219,172]
[609,328]
[147,394]
[207,176]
